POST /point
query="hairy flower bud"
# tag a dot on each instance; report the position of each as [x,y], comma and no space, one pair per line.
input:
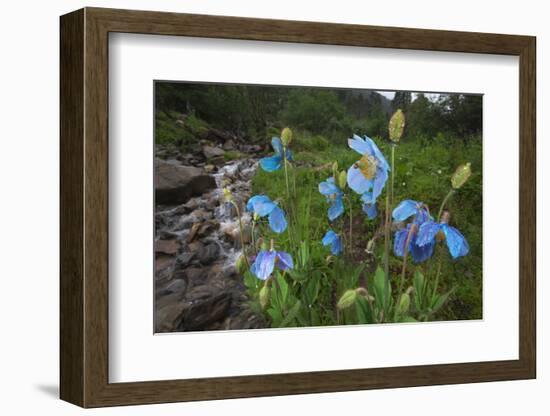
[286,136]
[342,179]
[396,126]
[335,170]
[264,295]
[241,264]
[461,175]
[404,303]
[227,195]
[347,300]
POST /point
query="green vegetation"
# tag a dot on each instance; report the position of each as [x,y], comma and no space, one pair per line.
[441,133]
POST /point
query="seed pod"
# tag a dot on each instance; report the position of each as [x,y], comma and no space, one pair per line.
[396,126]
[461,175]
[264,295]
[347,299]
[286,136]
[342,179]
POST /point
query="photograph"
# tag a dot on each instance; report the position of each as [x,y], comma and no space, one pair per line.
[292,206]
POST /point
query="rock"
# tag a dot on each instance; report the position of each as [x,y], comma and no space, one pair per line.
[195,276]
[251,148]
[169,317]
[184,260]
[177,286]
[211,152]
[164,266]
[169,247]
[209,253]
[175,184]
[209,168]
[206,309]
[229,145]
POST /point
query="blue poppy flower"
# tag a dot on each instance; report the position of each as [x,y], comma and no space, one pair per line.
[370,210]
[419,253]
[334,194]
[369,174]
[266,260]
[335,242]
[409,208]
[262,206]
[456,243]
[273,163]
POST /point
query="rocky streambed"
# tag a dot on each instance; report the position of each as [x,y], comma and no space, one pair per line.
[197,243]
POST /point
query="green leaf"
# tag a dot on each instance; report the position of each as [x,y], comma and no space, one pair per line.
[404,304]
[379,286]
[364,313]
[440,300]
[292,314]
[276,316]
[283,285]
[418,284]
[408,319]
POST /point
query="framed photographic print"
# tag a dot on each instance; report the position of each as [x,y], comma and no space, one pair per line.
[256,207]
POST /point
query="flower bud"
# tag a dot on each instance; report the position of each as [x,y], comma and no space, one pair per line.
[404,303]
[264,295]
[264,246]
[342,179]
[286,136]
[461,175]
[241,264]
[347,300]
[335,169]
[396,126]
[227,194]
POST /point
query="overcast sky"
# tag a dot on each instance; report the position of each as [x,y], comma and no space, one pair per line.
[390,94]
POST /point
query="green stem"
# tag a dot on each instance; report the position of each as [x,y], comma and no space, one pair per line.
[253,237]
[241,232]
[445,200]
[350,229]
[436,283]
[412,230]
[387,229]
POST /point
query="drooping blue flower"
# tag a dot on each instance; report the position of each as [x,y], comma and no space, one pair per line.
[266,260]
[369,174]
[370,210]
[262,206]
[418,253]
[456,242]
[334,195]
[334,241]
[273,163]
[409,208]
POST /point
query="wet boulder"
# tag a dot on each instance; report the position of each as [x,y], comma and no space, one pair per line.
[175,184]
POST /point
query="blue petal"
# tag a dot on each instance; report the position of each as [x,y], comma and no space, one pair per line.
[271,163]
[379,182]
[367,198]
[328,187]
[336,246]
[256,199]
[262,205]
[277,145]
[329,237]
[370,210]
[264,264]
[405,209]
[458,246]
[378,154]
[336,209]
[288,154]
[277,220]
[359,145]
[427,232]
[285,260]
[422,216]
[421,253]
[399,241]
[357,181]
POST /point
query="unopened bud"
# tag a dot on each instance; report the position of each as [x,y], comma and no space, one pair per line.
[227,194]
[461,175]
[396,126]
[241,264]
[286,136]
[264,295]
[335,169]
[342,179]
[347,299]
[404,303]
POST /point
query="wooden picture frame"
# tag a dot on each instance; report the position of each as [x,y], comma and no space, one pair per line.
[84,207]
